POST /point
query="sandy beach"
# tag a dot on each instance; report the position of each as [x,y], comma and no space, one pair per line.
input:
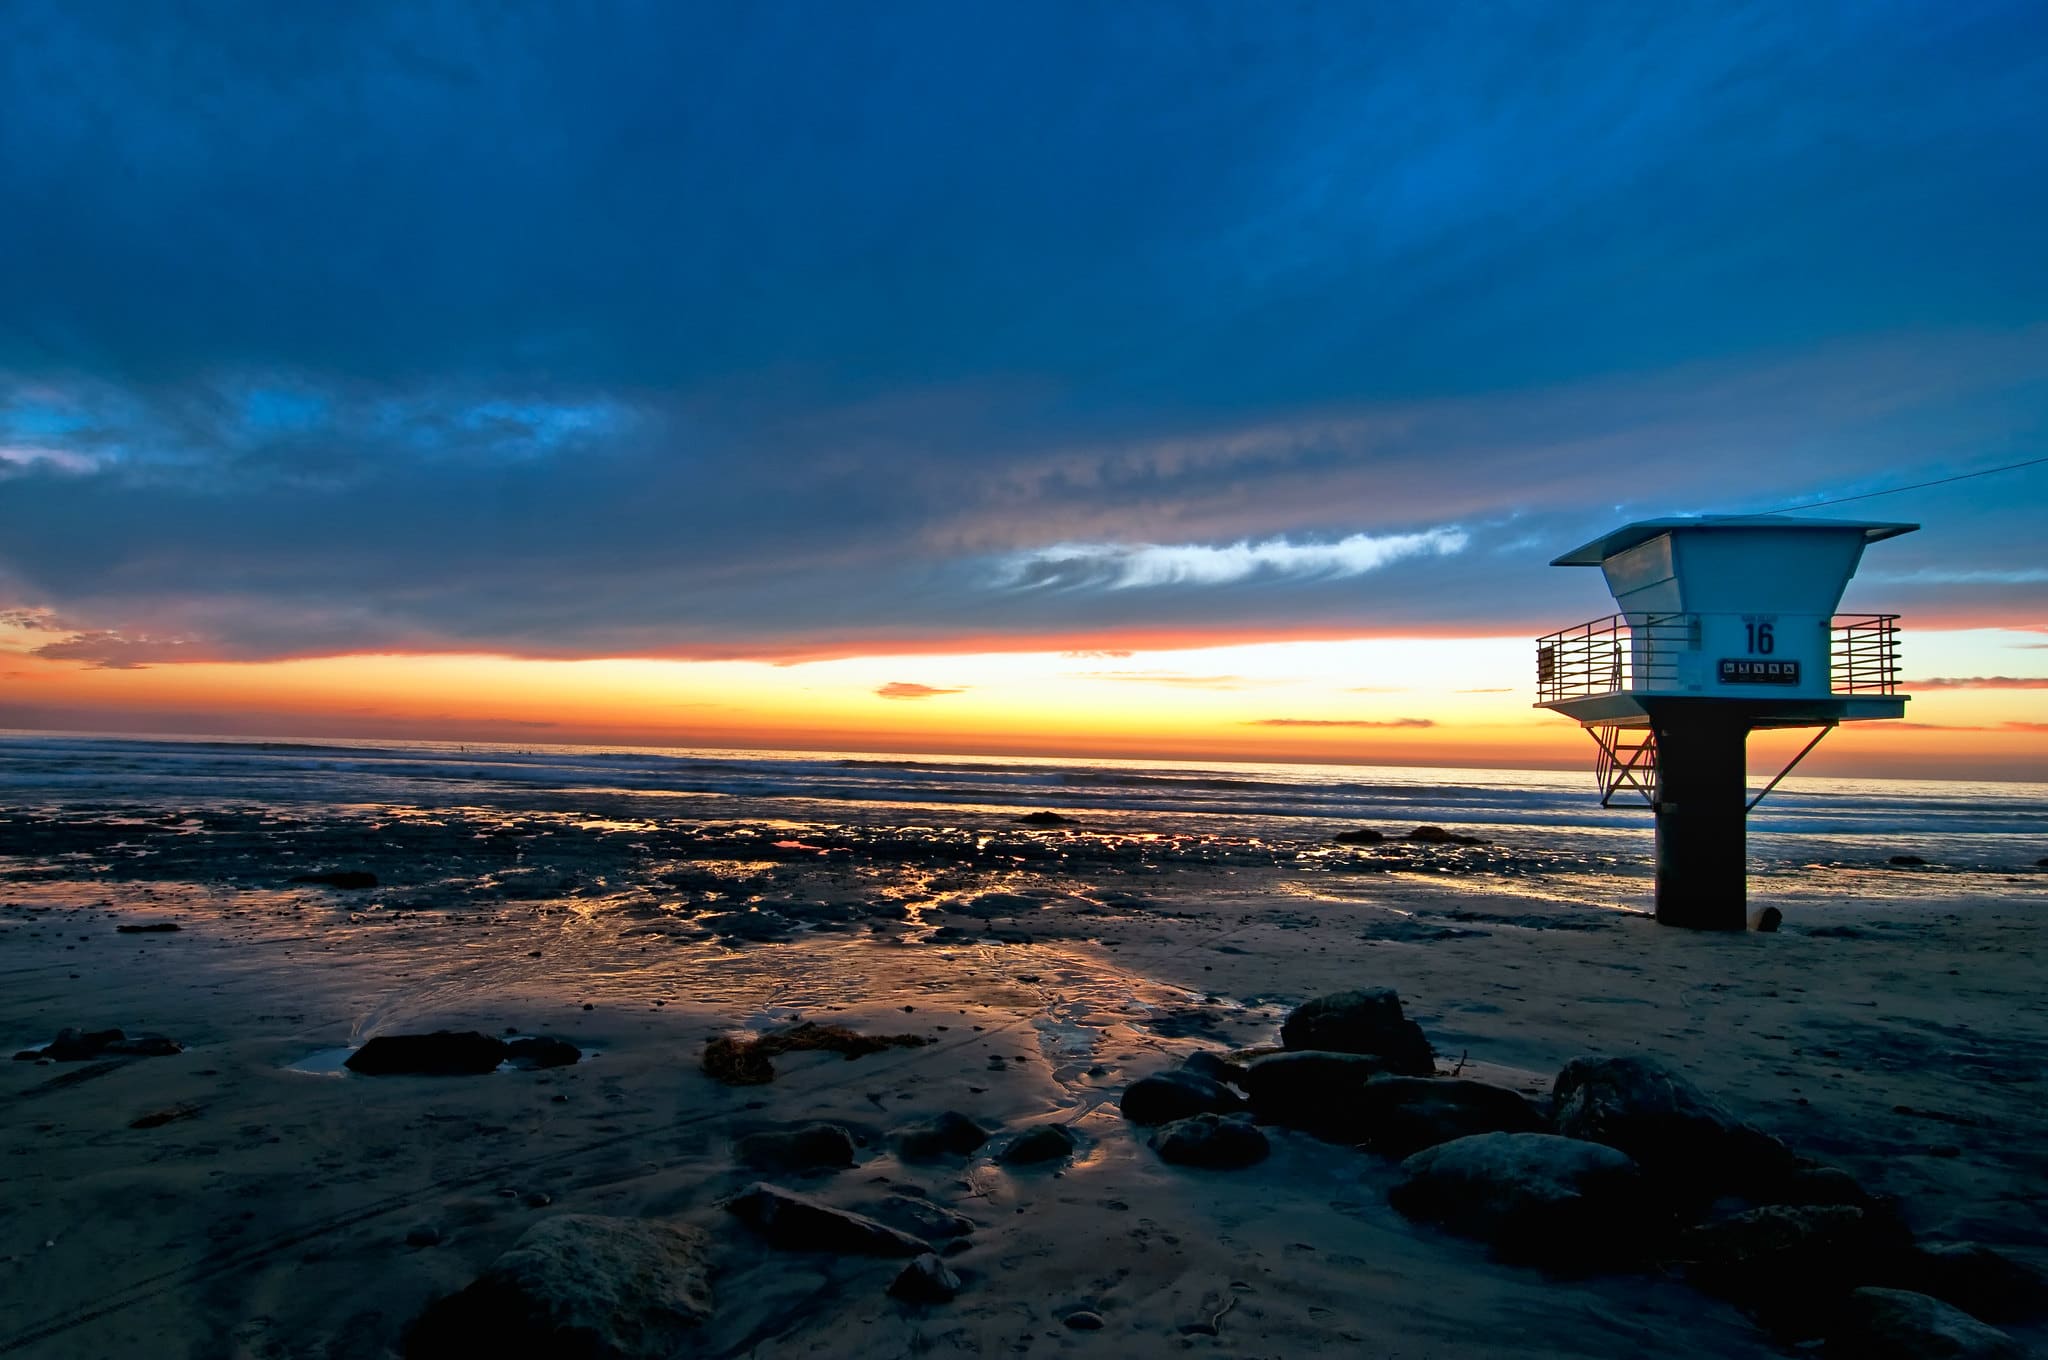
[275,1204]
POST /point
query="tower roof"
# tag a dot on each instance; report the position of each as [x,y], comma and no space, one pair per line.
[1643,530]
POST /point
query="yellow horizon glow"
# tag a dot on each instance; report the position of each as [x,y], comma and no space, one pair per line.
[1389,701]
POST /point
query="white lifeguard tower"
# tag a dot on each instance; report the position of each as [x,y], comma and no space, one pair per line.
[1727,625]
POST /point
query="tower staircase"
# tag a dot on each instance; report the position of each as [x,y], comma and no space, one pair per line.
[1627,760]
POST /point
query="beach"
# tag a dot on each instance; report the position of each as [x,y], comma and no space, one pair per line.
[273,1203]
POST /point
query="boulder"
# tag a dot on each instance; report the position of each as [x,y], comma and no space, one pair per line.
[339,878]
[1787,1264]
[1764,920]
[811,1147]
[1219,1142]
[1323,1093]
[796,1222]
[1681,1137]
[925,1280]
[1976,1279]
[1532,1197]
[444,1053]
[1043,1143]
[578,1285]
[1907,862]
[1045,819]
[1401,1116]
[919,1217]
[1176,1094]
[1365,1021]
[1894,1324]
[542,1052]
[951,1134]
[1364,835]
[1205,1063]
[1436,835]
[149,928]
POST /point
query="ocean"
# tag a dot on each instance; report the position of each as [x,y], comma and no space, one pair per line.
[1958,826]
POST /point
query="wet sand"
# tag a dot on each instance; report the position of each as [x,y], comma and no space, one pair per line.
[270,1215]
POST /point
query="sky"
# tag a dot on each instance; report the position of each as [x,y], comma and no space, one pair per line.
[1177,380]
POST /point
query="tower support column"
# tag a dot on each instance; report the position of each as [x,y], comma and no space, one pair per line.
[1702,851]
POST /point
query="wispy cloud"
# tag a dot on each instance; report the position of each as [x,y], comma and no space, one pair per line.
[1341,722]
[1978,682]
[902,689]
[1174,678]
[1493,689]
[1115,566]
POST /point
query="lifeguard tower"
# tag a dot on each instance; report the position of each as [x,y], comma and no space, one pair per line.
[1727,626]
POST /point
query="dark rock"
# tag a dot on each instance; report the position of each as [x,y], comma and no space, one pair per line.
[1364,835]
[744,1061]
[951,1134]
[339,878]
[925,1280]
[796,1222]
[1766,919]
[1219,1142]
[1176,1094]
[813,1147]
[1043,1143]
[1364,1021]
[1814,1185]
[577,1285]
[760,927]
[1533,1197]
[1787,1264]
[77,1045]
[1436,835]
[1322,1093]
[542,1052]
[1204,1063]
[423,1235]
[1687,1142]
[1082,1320]
[1045,819]
[444,1053]
[149,928]
[1907,861]
[74,1045]
[1976,1279]
[1401,1116]
[1893,1324]
[919,1217]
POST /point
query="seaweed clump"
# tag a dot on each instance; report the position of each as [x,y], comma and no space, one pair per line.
[745,1061]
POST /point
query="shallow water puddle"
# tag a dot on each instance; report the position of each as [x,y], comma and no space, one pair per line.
[327,1062]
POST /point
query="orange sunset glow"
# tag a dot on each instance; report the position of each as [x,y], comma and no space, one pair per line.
[1433,701]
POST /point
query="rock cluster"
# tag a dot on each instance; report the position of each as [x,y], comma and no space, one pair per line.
[1630,1166]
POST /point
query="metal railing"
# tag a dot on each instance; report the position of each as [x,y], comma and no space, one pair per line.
[1619,652]
[1625,652]
[1863,653]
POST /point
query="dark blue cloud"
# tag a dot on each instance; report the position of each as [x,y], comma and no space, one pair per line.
[710,328]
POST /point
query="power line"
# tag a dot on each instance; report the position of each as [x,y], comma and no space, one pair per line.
[1916,486]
